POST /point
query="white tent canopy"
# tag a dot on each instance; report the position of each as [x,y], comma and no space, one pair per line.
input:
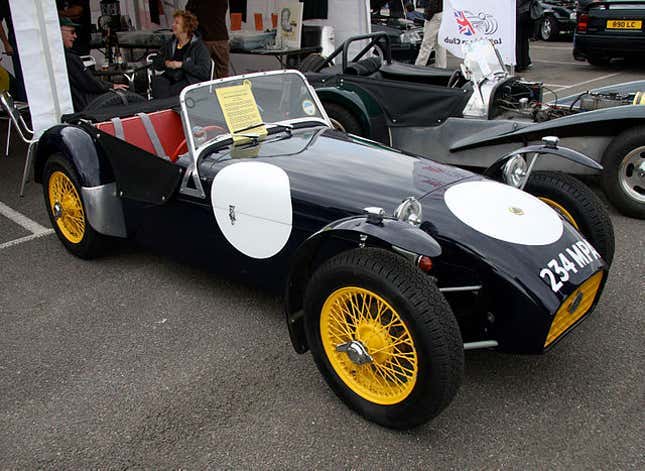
[39,40]
[40,43]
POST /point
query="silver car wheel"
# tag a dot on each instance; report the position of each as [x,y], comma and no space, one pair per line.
[631,174]
[546,29]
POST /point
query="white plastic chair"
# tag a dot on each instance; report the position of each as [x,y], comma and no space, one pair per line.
[88,61]
[151,72]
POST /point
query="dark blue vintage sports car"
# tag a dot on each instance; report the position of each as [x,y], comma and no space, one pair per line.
[391,264]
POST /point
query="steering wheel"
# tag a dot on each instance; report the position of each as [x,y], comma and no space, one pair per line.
[454,79]
[182,148]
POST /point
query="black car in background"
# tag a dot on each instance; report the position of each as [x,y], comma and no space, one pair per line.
[609,29]
[405,35]
[559,19]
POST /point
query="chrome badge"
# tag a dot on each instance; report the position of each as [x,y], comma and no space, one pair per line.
[231,214]
[517,211]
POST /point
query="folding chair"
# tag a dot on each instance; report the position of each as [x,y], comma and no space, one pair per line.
[150,72]
[13,111]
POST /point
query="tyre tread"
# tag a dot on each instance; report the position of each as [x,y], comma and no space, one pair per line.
[429,305]
[588,210]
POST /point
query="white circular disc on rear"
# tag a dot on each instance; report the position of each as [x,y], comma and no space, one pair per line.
[504,212]
[252,206]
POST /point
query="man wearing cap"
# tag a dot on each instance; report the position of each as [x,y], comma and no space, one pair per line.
[83,85]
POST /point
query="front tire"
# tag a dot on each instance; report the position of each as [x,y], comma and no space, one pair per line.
[549,29]
[623,177]
[66,210]
[576,203]
[381,305]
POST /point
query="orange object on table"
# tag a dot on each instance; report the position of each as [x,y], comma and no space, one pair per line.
[274,20]
[258,22]
[236,21]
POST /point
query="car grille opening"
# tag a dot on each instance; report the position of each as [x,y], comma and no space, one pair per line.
[574,307]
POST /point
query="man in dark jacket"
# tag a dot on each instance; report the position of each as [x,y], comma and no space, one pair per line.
[212,27]
[83,85]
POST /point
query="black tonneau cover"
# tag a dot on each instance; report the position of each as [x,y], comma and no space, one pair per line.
[414,104]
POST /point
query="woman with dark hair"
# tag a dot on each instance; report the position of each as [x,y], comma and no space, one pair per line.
[184,59]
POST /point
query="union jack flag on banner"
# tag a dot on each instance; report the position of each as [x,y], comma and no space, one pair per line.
[465,26]
[464,21]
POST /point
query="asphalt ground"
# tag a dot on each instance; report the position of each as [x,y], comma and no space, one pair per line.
[135,361]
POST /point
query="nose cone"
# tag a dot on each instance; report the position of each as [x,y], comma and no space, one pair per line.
[504,213]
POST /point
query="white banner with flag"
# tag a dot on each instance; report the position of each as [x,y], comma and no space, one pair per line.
[464,21]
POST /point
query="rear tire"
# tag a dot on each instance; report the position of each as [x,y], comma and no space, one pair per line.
[578,205]
[598,61]
[312,63]
[620,177]
[343,119]
[66,210]
[377,299]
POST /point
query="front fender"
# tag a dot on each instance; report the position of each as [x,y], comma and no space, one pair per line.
[362,106]
[495,170]
[79,148]
[603,122]
[339,236]
[98,188]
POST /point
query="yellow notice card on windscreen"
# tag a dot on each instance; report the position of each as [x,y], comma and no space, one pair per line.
[240,110]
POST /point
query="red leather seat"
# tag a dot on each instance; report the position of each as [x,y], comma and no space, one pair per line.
[167,124]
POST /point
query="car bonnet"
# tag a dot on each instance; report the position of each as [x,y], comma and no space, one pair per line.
[330,169]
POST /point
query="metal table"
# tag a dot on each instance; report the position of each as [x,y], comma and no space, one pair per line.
[287,57]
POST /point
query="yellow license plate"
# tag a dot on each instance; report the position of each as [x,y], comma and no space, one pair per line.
[624,24]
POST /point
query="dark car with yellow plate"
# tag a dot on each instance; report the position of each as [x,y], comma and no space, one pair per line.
[610,29]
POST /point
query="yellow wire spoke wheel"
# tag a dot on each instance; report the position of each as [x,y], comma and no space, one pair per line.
[66,206]
[384,366]
[561,210]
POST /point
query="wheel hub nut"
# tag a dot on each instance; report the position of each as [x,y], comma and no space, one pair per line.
[641,170]
[58,210]
[356,352]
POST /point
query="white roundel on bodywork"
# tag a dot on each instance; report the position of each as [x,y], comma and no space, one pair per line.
[252,205]
[504,212]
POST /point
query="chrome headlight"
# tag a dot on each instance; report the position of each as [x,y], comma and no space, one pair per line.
[409,211]
[515,171]
[412,37]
